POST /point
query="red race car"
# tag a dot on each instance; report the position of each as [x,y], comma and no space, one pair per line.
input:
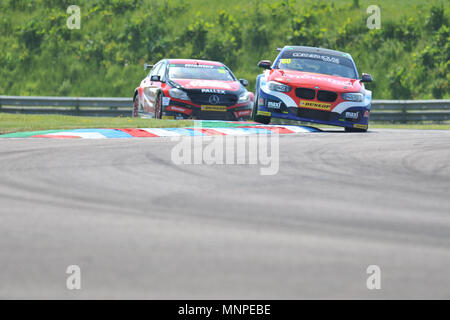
[313,85]
[192,89]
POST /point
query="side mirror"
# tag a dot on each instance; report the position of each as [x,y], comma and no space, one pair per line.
[265,64]
[366,77]
[147,66]
[155,78]
[243,82]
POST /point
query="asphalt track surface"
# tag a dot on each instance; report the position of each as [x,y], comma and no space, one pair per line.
[141,227]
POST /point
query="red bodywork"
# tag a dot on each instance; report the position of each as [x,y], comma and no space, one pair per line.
[188,107]
[301,79]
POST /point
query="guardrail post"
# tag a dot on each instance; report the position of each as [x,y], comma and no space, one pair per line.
[77,107]
[404,113]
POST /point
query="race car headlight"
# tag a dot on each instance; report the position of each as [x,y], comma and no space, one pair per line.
[355,97]
[276,86]
[178,94]
[244,97]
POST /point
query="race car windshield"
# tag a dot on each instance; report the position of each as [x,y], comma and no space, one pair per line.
[199,71]
[328,65]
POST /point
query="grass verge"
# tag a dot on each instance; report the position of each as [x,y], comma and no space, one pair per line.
[21,122]
[10,123]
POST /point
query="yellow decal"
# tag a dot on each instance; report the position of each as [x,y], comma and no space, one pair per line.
[222,71]
[263,113]
[214,108]
[285,61]
[315,105]
[360,126]
[168,117]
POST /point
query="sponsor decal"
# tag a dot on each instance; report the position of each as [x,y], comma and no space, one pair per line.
[273,104]
[179,109]
[352,115]
[165,101]
[319,78]
[315,105]
[206,83]
[366,114]
[242,113]
[198,66]
[286,61]
[213,91]
[315,56]
[360,126]
[264,113]
[168,117]
[214,108]
[261,101]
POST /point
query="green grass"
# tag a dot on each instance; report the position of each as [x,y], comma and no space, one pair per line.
[10,123]
[19,122]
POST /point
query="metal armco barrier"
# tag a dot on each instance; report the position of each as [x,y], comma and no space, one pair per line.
[401,111]
[405,111]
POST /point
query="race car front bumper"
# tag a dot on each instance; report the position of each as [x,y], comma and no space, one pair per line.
[179,109]
[345,114]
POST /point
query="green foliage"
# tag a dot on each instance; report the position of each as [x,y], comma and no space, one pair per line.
[408,57]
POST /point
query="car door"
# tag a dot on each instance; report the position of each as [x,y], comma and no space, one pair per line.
[151,89]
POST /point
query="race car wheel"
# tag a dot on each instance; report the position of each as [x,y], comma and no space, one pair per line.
[135,106]
[262,119]
[354,130]
[158,107]
[256,117]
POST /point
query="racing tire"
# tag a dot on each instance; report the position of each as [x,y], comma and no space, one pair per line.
[256,117]
[158,107]
[354,130]
[135,111]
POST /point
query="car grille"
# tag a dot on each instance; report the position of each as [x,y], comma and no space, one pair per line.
[327,96]
[203,99]
[305,93]
[310,94]
[210,115]
[317,114]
